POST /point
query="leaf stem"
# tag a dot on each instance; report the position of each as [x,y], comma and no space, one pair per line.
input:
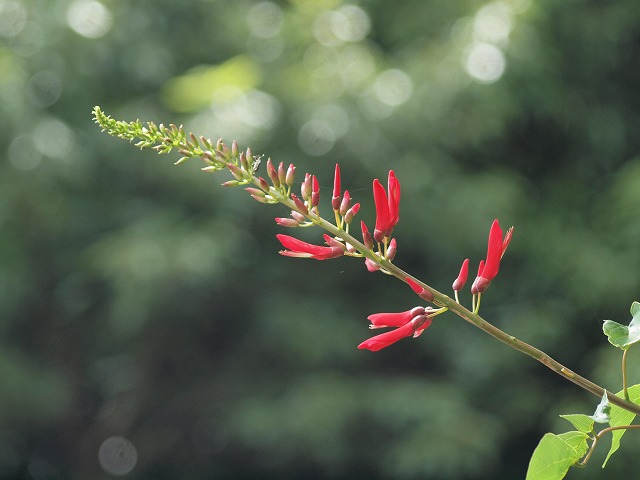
[624,374]
[600,434]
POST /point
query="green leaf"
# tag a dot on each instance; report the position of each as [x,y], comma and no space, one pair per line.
[620,416]
[603,410]
[584,423]
[620,335]
[555,454]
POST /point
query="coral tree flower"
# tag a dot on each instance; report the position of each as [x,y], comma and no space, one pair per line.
[387,206]
[495,250]
[299,249]
[411,322]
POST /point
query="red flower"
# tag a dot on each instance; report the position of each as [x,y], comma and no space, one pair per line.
[495,250]
[462,276]
[411,322]
[387,206]
[299,249]
[423,293]
[335,199]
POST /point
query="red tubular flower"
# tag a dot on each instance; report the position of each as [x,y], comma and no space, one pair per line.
[462,276]
[335,199]
[495,249]
[394,201]
[387,206]
[299,249]
[385,339]
[423,293]
[381,320]
[411,322]
[315,191]
[382,210]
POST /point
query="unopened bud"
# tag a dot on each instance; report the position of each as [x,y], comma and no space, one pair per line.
[371,265]
[300,205]
[273,175]
[346,203]
[287,222]
[234,148]
[263,184]
[419,290]
[305,188]
[235,170]
[315,192]
[231,183]
[282,176]
[298,216]
[255,192]
[366,236]
[244,162]
[290,174]
[392,249]
[348,217]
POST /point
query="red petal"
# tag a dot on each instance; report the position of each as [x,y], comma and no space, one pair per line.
[462,276]
[385,339]
[382,210]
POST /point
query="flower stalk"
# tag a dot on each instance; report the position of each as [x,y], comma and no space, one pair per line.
[243,166]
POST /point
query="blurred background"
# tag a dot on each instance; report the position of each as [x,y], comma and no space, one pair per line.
[148,326]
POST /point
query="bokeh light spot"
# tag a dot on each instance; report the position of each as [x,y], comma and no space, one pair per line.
[23,153]
[117,456]
[13,18]
[265,19]
[393,87]
[316,137]
[485,63]
[45,88]
[54,138]
[492,23]
[89,18]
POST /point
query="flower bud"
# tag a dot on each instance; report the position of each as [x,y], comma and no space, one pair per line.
[290,174]
[335,199]
[348,217]
[300,205]
[234,148]
[263,184]
[287,222]
[392,249]
[366,236]
[305,188]
[298,216]
[346,203]
[315,192]
[273,175]
[282,176]
[236,171]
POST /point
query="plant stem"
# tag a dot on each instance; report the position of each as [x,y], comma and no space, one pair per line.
[624,374]
[600,434]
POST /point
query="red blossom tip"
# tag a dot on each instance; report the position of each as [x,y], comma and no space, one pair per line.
[335,199]
[458,284]
[423,293]
[385,339]
[298,248]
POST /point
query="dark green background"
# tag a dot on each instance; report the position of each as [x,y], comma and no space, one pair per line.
[142,300]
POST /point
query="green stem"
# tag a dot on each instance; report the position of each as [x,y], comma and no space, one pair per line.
[624,374]
[600,434]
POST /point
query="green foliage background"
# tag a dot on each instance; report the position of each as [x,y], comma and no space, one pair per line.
[141,300]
